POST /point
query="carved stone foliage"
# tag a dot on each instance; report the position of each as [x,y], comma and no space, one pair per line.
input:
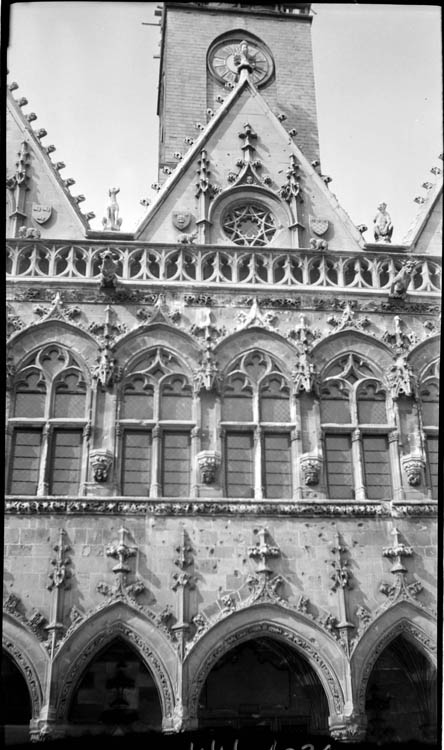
[399,590]
[13,322]
[203,184]
[216,508]
[291,190]
[414,466]
[35,621]
[401,379]
[255,317]
[209,462]
[348,319]
[152,661]
[58,310]
[311,467]
[101,462]
[400,338]
[60,574]
[121,551]
[161,313]
[207,376]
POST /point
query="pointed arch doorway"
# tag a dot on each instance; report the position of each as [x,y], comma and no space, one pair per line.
[116,695]
[16,711]
[401,696]
[263,682]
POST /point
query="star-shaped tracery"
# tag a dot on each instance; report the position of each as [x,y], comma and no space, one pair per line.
[250,224]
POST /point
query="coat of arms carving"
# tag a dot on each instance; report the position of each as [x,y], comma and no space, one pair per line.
[40,213]
[318,225]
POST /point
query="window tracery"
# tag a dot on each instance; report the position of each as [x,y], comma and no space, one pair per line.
[249,223]
[257,423]
[429,406]
[356,429]
[156,419]
[47,426]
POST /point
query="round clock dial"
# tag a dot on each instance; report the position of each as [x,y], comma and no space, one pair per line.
[224,59]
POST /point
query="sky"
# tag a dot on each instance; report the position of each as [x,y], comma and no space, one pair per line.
[90,73]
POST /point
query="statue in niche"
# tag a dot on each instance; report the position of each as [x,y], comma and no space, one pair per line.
[383,228]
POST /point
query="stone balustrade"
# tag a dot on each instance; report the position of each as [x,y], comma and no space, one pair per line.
[205,265]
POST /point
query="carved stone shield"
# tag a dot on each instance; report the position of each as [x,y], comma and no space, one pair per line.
[40,213]
[318,226]
[181,219]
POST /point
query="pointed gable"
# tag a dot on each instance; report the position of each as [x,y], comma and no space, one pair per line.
[37,196]
[245,168]
[425,233]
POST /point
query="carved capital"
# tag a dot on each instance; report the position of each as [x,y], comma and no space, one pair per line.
[101,462]
[209,462]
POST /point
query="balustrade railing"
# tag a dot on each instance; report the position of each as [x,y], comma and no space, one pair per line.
[205,265]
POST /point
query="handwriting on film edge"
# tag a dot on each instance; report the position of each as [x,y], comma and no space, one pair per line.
[236,746]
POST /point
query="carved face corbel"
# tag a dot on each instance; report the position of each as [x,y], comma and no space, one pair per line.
[101,462]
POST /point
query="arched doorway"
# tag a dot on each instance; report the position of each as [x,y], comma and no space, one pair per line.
[264,683]
[16,710]
[116,695]
[401,695]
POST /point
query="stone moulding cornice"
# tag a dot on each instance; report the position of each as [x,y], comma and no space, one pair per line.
[211,507]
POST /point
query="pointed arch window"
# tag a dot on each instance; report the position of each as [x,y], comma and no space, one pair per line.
[50,412]
[429,404]
[257,425]
[356,431]
[155,421]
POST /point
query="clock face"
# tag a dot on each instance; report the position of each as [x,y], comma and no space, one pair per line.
[224,59]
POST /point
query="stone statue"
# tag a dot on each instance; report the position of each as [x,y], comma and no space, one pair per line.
[400,283]
[112,221]
[383,228]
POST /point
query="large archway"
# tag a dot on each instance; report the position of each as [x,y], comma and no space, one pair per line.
[116,694]
[263,682]
[16,708]
[401,700]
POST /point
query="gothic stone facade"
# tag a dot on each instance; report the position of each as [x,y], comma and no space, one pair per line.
[222,436]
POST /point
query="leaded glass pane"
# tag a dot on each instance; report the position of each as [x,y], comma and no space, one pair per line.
[239,464]
[136,463]
[176,399]
[275,401]
[277,465]
[69,399]
[432,446]
[371,405]
[377,475]
[335,406]
[339,466]
[25,462]
[65,462]
[176,464]
[137,402]
[429,396]
[30,397]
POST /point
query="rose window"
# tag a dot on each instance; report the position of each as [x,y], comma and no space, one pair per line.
[249,224]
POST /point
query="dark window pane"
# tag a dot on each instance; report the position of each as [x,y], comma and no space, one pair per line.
[237,404]
[339,466]
[277,465]
[25,462]
[239,464]
[176,464]
[377,475]
[432,457]
[66,457]
[136,463]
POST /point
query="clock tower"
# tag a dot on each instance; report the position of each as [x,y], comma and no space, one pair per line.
[195,77]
